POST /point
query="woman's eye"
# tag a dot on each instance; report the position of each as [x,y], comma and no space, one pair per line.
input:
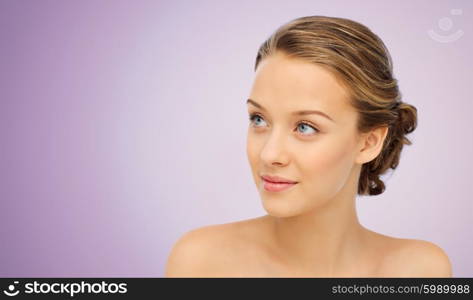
[255,118]
[306,128]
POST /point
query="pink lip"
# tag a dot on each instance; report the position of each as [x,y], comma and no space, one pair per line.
[276,183]
[276,186]
[277,179]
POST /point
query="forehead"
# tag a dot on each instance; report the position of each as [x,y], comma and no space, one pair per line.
[296,84]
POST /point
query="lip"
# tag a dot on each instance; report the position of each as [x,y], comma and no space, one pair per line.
[276,183]
[276,186]
[277,179]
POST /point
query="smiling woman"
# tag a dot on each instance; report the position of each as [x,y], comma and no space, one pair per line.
[325,121]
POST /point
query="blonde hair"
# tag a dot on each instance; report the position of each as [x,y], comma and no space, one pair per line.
[359,57]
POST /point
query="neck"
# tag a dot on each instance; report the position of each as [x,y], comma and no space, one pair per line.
[326,239]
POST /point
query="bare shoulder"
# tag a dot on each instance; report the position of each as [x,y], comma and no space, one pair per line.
[415,258]
[195,251]
[203,251]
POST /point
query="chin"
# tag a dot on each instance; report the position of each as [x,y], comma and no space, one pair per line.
[285,207]
[282,208]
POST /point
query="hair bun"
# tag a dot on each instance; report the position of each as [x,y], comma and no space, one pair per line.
[407,117]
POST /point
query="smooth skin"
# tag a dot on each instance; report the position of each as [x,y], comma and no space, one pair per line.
[311,229]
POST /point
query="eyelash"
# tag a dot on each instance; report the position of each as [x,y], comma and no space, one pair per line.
[253,115]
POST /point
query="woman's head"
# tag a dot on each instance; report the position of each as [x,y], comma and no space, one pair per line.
[339,67]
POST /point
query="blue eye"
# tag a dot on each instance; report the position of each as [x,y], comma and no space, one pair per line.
[307,126]
[255,116]
[307,129]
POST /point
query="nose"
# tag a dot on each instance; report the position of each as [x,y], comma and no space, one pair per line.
[274,151]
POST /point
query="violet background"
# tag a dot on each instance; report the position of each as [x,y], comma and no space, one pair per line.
[123,125]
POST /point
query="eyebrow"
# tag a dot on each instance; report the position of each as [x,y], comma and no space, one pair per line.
[298,113]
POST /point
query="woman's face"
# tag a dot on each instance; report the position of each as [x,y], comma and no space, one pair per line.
[315,151]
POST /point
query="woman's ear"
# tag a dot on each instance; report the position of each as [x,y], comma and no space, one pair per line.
[370,144]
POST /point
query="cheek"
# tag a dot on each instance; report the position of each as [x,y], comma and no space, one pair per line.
[252,150]
[250,147]
[325,158]
[326,167]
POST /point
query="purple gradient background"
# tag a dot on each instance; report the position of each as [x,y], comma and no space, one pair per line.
[123,125]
